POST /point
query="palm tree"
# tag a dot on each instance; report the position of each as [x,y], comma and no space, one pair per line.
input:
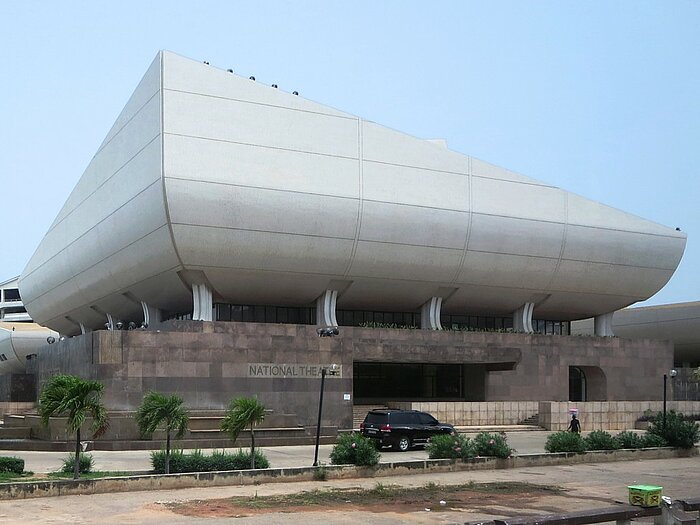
[244,412]
[75,398]
[160,411]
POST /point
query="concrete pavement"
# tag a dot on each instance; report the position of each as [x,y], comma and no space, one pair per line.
[286,456]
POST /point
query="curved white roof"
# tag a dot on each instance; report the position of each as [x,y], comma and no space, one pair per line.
[271,199]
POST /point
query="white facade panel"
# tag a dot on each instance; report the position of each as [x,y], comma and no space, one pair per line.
[479,168]
[508,235]
[201,246]
[398,261]
[590,277]
[381,144]
[138,133]
[507,271]
[415,225]
[415,186]
[513,199]
[257,209]
[193,158]
[623,247]
[184,74]
[258,124]
[586,212]
[148,87]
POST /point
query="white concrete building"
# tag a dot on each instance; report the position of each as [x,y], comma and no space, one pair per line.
[214,195]
[11,306]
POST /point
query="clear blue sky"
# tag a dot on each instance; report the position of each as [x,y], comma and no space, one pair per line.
[599,98]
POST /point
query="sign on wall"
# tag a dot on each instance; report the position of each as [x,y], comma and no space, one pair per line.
[292,370]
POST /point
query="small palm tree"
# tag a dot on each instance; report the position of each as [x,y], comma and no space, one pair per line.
[244,412]
[160,411]
[75,398]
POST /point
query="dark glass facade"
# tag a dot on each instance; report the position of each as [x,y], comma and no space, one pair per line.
[307,315]
[360,317]
[396,381]
[264,314]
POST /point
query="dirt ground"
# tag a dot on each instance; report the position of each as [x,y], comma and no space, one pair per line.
[484,498]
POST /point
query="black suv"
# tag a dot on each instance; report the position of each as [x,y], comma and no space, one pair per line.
[402,428]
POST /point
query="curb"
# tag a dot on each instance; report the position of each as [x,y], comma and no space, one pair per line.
[37,489]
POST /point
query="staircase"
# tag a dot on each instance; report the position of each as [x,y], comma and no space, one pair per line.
[25,432]
[533,421]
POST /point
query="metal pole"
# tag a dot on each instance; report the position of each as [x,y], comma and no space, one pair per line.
[320,408]
[664,418]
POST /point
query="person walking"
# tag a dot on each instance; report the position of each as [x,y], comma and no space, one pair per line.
[575,425]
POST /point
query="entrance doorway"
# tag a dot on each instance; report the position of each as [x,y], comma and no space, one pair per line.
[577,384]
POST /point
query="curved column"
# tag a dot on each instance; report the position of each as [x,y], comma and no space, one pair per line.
[522,318]
[325,308]
[111,323]
[202,302]
[430,314]
[150,314]
[603,324]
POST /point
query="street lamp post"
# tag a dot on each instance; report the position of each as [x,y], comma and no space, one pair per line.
[332,370]
[672,373]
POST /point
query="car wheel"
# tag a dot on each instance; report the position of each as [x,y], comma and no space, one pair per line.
[403,444]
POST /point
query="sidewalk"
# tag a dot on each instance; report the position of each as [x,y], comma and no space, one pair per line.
[286,456]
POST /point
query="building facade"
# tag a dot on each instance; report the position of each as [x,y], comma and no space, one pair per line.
[221,221]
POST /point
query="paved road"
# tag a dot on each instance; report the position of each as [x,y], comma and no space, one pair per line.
[293,456]
[586,486]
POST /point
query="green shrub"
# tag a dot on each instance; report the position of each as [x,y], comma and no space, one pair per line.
[354,449]
[652,441]
[85,465]
[487,444]
[14,465]
[445,446]
[677,432]
[197,461]
[600,440]
[628,439]
[564,441]
[321,473]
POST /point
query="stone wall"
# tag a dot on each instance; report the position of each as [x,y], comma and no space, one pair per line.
[209,363]
[465,413]
[606,415]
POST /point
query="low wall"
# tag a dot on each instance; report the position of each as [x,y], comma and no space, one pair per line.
[606,415]
[552,415]
[37,489]
[467,413]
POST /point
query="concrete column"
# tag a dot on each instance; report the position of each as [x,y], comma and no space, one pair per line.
[150,314]
[202,299]
[522,318]
[325,308]
[430,314]
[603,324]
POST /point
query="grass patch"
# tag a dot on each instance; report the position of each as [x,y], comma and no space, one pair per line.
[10,477]
[88,475]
